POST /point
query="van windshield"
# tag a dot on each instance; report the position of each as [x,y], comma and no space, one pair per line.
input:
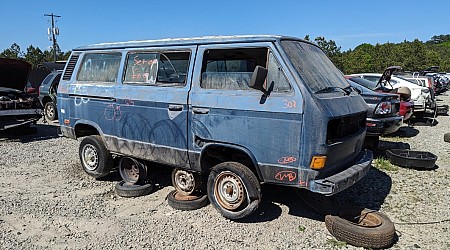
[314,67]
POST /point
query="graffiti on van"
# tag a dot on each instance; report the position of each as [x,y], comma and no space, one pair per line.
[287,160]
[286,174]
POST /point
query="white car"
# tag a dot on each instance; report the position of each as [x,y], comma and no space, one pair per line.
[419,95]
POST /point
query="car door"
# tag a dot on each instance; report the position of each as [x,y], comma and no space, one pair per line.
[224,110]
[150,112]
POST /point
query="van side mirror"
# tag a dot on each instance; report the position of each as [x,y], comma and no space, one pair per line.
[258,77]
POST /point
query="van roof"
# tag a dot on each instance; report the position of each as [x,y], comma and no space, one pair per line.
[186,41]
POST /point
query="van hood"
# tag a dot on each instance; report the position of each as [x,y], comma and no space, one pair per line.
[14,73]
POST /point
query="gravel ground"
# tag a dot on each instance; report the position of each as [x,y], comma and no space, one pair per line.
[48,202]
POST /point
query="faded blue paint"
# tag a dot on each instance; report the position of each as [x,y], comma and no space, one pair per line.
[280,133]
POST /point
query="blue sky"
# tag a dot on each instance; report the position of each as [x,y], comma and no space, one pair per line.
[349,23]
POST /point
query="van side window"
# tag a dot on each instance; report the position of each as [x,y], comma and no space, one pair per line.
[231,69]
[99,67]
[276,79]
[157,68]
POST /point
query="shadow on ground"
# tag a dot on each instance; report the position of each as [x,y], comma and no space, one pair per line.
[36,132]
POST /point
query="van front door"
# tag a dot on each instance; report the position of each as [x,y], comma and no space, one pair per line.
[226,112]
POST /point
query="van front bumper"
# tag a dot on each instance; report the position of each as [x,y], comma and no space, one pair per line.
[342,180]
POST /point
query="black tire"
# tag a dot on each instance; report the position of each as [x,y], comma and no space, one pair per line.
[361,227]
[100,160]
[186,202]
[50,111]
[133,190]
[242,183]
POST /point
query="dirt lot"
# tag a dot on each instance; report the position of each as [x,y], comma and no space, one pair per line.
[48,202]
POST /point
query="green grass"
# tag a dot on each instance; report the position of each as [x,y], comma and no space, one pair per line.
[336,243]
[384,164]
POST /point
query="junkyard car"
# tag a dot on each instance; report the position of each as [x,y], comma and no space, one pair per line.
[242,110]
[406,105]
[421,96]
[47,95]
[382,116]
[17,108]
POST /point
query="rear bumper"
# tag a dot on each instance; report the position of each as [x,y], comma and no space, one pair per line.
[383,126]
[342,180]
[12,118]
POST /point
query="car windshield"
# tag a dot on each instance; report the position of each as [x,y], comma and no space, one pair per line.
[314,67]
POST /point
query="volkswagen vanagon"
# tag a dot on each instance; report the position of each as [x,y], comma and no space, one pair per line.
[240,110]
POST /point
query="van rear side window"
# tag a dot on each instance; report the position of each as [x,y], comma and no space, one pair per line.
[157,68]
[99,67]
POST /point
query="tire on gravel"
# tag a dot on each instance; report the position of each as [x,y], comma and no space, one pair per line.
[186,202]
[361,227]
[133,190]
[233,190]
[95,158]
[50,111]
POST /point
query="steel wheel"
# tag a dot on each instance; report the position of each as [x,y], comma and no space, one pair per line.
[185,182]
[95,157]
[132,171]
[233,190]
[229,190]
[89,157]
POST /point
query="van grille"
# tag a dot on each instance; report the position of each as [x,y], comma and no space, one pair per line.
[70,67]
[344,126]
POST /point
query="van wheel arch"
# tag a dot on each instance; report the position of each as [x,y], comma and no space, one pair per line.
[216,153]
[82,129]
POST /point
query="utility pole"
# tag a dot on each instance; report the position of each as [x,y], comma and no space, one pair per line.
[54,31]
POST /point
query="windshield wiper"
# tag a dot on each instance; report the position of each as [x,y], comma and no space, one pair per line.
[331,89]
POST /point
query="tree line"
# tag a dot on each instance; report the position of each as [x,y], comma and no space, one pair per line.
[410,55]
[33,55]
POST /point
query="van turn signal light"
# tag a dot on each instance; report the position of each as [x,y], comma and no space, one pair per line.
[66,121]
[318,162]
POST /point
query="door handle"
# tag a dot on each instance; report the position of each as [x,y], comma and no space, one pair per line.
[200,110]
[175,107]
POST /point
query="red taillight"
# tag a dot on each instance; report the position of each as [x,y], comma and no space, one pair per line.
[383,108]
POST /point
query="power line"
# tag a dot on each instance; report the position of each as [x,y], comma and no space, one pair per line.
[53,32]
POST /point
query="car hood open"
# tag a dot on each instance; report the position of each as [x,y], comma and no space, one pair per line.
[14,73]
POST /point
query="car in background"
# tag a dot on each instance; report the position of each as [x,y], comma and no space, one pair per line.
[421,96]
[383,114]
[47,95]
[18,109]
[406,105]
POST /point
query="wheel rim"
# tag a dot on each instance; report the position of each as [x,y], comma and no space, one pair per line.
[132,173]
[132,170]
[90,157]
[184,181]
[50,111]
[229,190]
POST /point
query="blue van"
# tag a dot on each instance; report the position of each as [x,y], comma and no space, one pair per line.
[238,110]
